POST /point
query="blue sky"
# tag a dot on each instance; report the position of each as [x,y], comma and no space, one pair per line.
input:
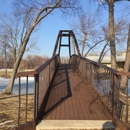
[50,26]
[48,30]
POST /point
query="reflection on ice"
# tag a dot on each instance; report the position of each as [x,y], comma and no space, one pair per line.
[104,86]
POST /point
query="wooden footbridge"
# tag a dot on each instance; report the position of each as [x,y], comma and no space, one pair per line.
[81,94]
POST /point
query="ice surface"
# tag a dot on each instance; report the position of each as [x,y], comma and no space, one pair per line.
[4,82]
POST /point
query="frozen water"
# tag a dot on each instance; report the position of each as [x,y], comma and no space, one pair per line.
[4,82]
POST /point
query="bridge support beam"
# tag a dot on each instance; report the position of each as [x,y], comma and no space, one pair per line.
[69,34]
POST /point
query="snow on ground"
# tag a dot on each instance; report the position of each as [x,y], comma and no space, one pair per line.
[4,82]
[7,69]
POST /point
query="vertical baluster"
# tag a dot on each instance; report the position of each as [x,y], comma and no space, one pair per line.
[111,88]
[94,75]
[34,107]
[106,89]
[50,73]
[110,91]
[91,73]
[106,81]
[36,96]
[118,96]
[110,85]
[86,71]
[19,101]
[98,86]
[26,99]
[101,83]
[127,102]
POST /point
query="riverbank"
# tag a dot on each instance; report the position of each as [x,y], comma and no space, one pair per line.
[9,110]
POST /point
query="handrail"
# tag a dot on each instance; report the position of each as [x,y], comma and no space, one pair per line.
[105,82]
[27,73]
[104,66]
[42,79]
[38,70]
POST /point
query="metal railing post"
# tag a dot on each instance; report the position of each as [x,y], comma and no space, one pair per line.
[91,74]
[26,100]
[36,89]
[127,93]
[19,100]
[50,73]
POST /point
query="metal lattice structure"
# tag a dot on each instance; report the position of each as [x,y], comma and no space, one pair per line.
[69,34]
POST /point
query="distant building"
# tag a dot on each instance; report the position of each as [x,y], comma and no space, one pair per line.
[124,53]
[107,60]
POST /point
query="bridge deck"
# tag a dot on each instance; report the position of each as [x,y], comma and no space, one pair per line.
[71,99]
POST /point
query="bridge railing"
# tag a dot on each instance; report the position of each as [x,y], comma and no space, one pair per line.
[106,83]
[42,78]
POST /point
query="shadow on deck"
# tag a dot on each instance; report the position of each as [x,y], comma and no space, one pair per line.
[70,98]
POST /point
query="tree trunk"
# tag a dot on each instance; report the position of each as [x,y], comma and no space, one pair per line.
[83,46]
[124,79]
[112,35]
[92,47]
[102,52]
[73,43]
[9,87]
[14,55]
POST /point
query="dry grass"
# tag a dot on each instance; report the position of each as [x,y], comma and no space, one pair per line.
[2,73]
[9,110]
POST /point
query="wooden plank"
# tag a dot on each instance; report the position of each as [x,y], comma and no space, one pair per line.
[71,99]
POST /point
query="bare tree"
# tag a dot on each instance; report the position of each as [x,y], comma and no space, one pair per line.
[94,53]
[85,29]
[124,79]
[31,13]
[110,4]
[34,61]
[5,53]
[10,35]
[120,29]
[73,46]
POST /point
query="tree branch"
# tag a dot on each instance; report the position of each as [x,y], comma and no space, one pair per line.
[93,47]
